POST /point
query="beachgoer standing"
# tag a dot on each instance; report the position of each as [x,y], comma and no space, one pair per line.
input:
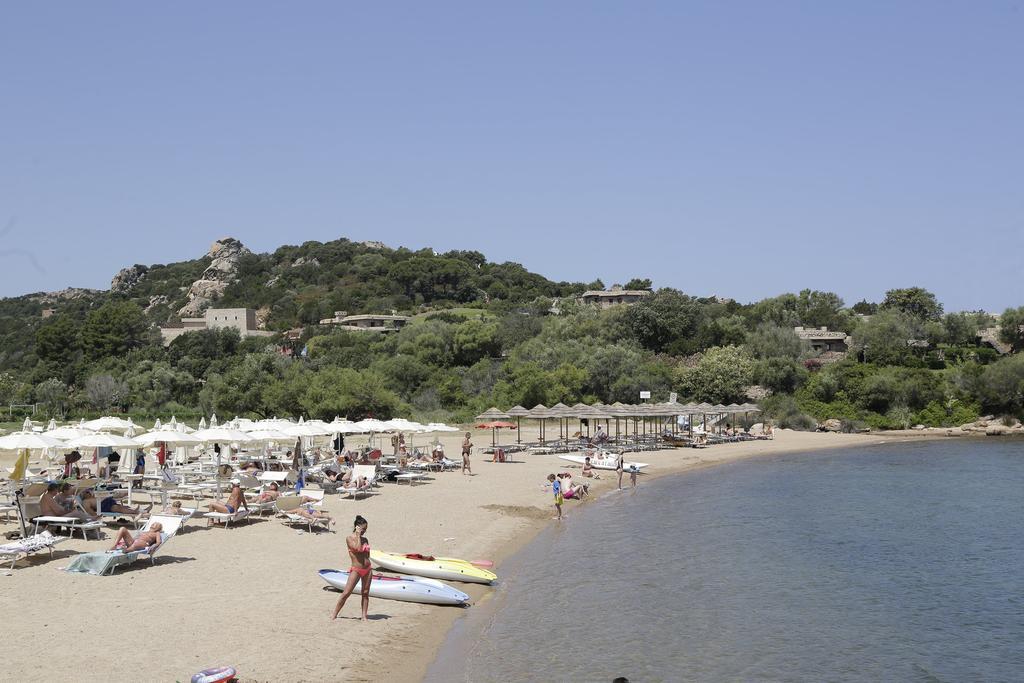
[361,570]
[394,445]
[619,464]
[556,488]
[632,475]
[467,448]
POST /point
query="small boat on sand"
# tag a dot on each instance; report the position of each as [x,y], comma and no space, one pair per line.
[404,588]
[603,461]
[445,568]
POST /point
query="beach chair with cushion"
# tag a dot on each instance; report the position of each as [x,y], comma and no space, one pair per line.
[14,550]
[287,506]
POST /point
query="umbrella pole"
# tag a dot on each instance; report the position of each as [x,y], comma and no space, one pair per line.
[21,516]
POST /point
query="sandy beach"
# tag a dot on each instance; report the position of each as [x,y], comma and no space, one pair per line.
[250,597]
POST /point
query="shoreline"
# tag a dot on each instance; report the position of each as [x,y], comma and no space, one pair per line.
[213,588]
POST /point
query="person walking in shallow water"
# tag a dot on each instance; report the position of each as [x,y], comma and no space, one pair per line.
[360,570]
[556,488]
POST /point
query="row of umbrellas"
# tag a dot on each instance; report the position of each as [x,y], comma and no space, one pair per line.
[616,410]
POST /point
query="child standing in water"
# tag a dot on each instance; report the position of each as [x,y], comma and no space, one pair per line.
[556,487]
[632,475]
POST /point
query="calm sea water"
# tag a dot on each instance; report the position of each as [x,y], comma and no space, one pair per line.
[892,563]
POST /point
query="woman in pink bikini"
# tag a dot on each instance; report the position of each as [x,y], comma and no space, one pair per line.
[361,570]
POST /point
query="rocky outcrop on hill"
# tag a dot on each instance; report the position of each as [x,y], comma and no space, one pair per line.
[221,272]
[69,294]
[127,278]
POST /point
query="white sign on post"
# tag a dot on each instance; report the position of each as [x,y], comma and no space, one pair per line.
[645,395]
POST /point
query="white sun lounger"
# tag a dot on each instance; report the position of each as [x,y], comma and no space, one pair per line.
[100,563]
[369,472]
[70,523]
[226,518]
[26,546]
[286,505]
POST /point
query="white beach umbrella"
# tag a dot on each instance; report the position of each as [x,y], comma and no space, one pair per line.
[372,426]
[110,424]
[202,423]
[67,433]
[222,435]
[171,437]
[31,441]
[157,425]
[270,435]
[102,440]
[307,429]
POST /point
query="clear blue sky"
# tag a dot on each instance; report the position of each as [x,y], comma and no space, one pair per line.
[734,148]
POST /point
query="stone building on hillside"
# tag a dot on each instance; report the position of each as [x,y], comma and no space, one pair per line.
[367,322]
[614,296]
[241,319]
[824,340]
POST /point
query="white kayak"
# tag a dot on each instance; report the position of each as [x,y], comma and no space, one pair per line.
[404,588]
[603,462]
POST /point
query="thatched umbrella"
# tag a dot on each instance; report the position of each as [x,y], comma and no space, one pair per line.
[562,412]
[491,415]
[518,412]
[540,413]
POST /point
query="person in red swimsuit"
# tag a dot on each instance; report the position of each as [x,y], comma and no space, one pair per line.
[359,553]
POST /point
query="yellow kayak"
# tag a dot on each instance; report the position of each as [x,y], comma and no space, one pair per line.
[444,568]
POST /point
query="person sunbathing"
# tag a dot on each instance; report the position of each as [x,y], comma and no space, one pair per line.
[50,505]
[588,469]
[306,511]
[271,494]
[149,539]
[176,509]
[110,505]
[235,502]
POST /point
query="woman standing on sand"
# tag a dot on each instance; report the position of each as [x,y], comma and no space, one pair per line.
[361,569]
[467,446]
[619,464]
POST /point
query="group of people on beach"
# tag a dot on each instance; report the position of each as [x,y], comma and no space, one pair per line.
[562,486]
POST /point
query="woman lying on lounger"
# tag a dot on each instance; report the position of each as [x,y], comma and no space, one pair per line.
[145,539]
[306,511]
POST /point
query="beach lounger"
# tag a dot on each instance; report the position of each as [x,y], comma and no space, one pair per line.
[226,518]
[14,550]
[70,523]
[6,511]
[107,562]
[368,472]
[287,505]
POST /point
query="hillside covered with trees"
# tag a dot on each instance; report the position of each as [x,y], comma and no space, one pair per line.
[487,334]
